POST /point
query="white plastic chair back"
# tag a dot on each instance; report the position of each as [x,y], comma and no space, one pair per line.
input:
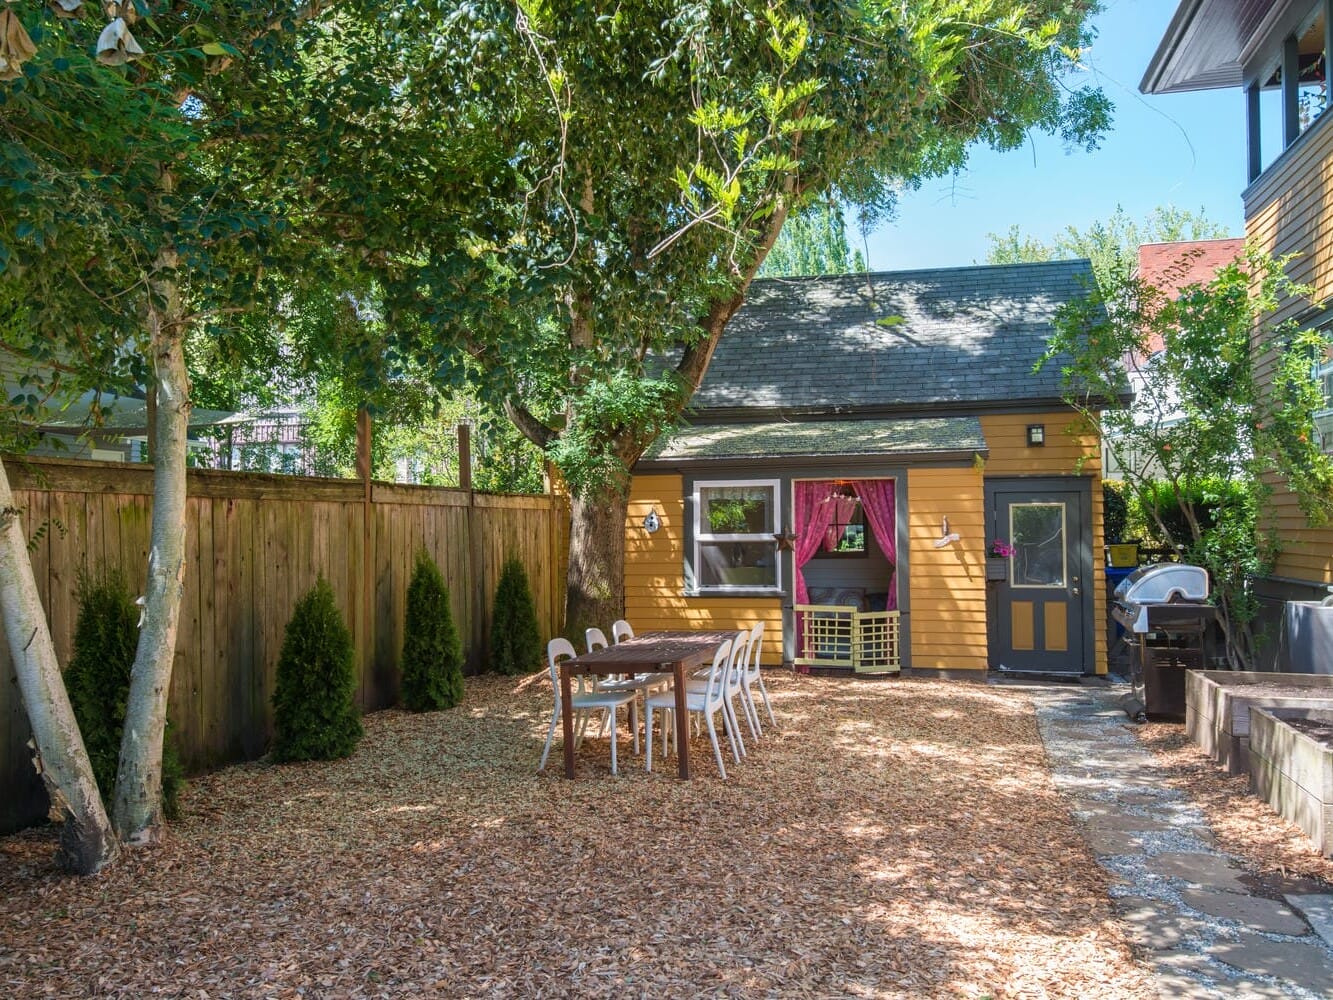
[756,650]
[561,649]
[716,691]
[740,653]
[621,629]
[595,638]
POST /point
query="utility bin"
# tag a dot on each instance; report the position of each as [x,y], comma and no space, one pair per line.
[1308,630]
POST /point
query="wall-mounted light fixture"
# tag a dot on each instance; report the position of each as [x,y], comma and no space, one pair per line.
[947,537]
[1036,435]
[652,522]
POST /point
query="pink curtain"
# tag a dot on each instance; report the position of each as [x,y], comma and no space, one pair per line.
[812,521]
[877,498]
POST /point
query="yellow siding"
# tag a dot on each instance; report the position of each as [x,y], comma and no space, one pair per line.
[654,573]
[947,585]
[1287,212]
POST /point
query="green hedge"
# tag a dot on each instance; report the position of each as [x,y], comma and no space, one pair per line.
[106,633]
[432,663]
[516,641]
[314,714]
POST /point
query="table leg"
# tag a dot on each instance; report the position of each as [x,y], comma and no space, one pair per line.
[682,722]
[567,721]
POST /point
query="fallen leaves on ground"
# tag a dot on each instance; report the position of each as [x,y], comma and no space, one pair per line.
[890,839]
[1244,824]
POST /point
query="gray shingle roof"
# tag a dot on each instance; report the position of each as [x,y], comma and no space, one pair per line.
[969,335]
[819,438]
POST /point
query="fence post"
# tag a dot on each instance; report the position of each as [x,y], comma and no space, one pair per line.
[476,652]
[370,695]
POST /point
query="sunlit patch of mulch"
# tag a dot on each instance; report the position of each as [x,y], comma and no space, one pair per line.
[1244,824]
[891,839]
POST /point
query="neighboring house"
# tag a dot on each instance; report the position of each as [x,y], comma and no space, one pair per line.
[1169,268]
[1277,53]
[861,440]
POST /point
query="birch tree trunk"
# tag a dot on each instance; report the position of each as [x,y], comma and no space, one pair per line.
[138,806]
[87,843]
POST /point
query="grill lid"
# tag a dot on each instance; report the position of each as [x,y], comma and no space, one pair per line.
[1162,583]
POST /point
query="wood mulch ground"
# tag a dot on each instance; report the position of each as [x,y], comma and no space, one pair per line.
[1244,824]
[893,839]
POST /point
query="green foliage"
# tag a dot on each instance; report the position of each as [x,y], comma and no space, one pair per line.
[1203,435]
[516,642]
[432,663]
[106,633]
[314,715]
[813,242]
[1115,511]
[1112,246]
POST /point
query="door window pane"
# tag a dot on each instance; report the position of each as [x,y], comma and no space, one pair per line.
[1037,533]
[737,510]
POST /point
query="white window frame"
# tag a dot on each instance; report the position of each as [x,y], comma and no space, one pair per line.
[1323,417]
[702,537]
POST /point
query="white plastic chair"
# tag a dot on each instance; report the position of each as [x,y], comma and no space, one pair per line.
[708,702]
[751,676]
[733,690]
[584,700]
[621,629]
[634,684]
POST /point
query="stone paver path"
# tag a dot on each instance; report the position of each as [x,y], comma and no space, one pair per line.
[1194,914]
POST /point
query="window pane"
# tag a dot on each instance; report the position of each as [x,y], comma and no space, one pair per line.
[1037,532]
[737,510]
[738,564]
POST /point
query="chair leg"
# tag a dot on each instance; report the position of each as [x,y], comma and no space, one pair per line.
[767,704]
[611,715]
[634,721]
[583,729]
[550,735]
[751,713]
[717,750]
[733,730]
[648,736]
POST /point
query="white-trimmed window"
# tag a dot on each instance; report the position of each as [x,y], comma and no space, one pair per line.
[1323,418]
[734,526]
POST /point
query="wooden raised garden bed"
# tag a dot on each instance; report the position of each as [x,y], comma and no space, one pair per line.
[1218,703]
[1291,767]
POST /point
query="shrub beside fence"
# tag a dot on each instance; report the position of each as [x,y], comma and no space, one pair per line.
[255,544]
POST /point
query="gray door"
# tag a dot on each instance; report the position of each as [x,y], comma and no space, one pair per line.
[1042,609]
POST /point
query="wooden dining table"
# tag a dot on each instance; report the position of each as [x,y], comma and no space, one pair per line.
[676,653]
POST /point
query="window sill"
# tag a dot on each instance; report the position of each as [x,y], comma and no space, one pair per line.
[736,592]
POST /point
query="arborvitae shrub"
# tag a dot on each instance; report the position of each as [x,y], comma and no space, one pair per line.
[516,642]
[314,715]
[432,664]
[106,633]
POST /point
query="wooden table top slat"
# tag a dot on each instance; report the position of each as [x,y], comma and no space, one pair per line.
[652,649]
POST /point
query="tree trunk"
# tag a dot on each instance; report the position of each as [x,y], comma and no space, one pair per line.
[596,579]
[87,843]
[138,806]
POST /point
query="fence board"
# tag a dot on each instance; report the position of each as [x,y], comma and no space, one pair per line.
[256,543]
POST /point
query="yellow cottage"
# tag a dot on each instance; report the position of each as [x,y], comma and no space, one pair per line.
[874,469]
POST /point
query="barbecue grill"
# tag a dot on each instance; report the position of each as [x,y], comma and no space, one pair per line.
[1166,617]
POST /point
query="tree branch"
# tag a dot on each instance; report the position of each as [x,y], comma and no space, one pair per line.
[531,428]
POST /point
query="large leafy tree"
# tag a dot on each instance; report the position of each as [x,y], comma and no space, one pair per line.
[1202,435]
[567,202]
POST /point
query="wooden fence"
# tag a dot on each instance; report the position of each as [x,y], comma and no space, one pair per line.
[255,544]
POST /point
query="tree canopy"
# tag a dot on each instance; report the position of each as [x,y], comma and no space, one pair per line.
[1111,246]
[813,241]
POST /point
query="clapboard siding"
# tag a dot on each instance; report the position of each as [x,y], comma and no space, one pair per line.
[254,545]
[947,585]
[1287,211]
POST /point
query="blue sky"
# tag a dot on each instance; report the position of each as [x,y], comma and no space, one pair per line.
[1186,150]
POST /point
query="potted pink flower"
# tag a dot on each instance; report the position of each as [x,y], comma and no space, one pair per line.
[997,559]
